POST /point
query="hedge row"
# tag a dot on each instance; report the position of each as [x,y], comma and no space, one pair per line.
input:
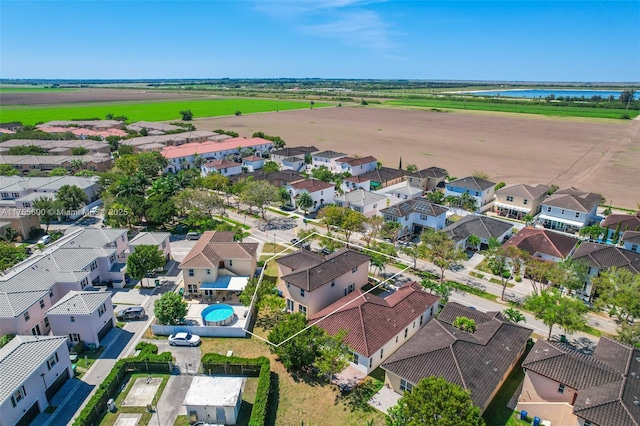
[212,361]
[147,360]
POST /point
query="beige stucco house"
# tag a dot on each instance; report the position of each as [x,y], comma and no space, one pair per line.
[517,201]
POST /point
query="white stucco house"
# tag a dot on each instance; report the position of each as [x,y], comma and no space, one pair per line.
[416,215]
[329,159]
[253,163]
[214,400]
[85,316]
[221,166]
[365,202]
[321,192]
[400,192]
[357,166]
[32,368]
[569,210]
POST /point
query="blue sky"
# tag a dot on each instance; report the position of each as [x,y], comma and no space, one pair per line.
[514,40]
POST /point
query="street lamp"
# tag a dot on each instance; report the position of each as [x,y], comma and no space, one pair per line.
[45,389]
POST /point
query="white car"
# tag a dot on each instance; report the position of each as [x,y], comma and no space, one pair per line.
[184,339]
[45,239]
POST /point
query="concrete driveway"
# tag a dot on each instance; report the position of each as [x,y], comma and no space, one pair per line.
[180,248]
[187,358]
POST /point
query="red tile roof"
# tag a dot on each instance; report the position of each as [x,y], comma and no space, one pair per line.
[372,321]
[215,245]
[211,146]
[534,240]
[222,164]
[311,185]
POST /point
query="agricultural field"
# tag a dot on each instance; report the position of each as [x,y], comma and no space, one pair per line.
[598,156]
[149,111]
[35,89]
[512,107]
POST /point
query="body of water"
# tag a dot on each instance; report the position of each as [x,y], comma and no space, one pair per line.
[535,93]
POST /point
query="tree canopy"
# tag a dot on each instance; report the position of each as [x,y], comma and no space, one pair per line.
[552,308]
[301,351]
[619,293]
[259,193]
[144,260]
[10,254]
[170,308]
[71,198]
[441,251]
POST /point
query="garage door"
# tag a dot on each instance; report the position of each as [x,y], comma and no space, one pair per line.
[55,386]
[28,417]
[103,332]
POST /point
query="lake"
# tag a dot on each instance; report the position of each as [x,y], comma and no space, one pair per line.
[535,93]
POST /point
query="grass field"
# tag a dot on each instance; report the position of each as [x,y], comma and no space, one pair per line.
[550,110]
[148,111]
[11,89]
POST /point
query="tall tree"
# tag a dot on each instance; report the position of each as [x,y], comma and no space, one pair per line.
[10,254]
[300,351]
[619,293]
[144,260]
[473,241]
[170,308]
[552,308]
[48,210]
[436,197]
[514,315]
[260,194]
[503,262]
[414,252]
[333,355]
[71,197]
[435,402]
[270,166]
[441,251]
[305,201]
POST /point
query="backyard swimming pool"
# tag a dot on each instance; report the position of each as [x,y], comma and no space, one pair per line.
[218,315]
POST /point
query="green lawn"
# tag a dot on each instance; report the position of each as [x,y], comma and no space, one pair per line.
[19,89]
[551,110]
[149,111]
[110,418]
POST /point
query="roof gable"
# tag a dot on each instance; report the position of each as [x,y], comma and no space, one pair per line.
[214,246]
[481,226]
[472,183]
[333,266]
[534,240]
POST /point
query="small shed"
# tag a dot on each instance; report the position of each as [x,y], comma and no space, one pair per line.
[214,400]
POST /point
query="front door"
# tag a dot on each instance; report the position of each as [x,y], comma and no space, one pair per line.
[220,416]
[36,330]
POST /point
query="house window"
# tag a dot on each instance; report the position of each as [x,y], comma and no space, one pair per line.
[52,361]
[26,316]
[356,358]
[381,353]
[396,339]
[46,322]
[208,271]
[354,270]
[405,386]
[634,247]
[333,283]
[349,289]
[525,201]
[561,388]
[421,320]
[548,209]
[230,262]
[562,211]
[577,214]
[51,293]
[587,423]
[301,292]
[290,305]
[414,324]
[191,272]
[370,362]
[431,311]
[42,304]
[101,310]
[375,206]
[302,309]
[72,319]
[509,198]
[18,396]
[406,332]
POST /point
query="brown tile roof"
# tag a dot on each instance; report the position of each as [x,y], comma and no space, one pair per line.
[357,161]
[431,172]
[524,191]
[573,199]
[214,246]
[334,265]
[534,240]
[475,361]
[629,222]
[253,158]
[632,237]
[222,164]
[311,185]
[372,321]
[603,256]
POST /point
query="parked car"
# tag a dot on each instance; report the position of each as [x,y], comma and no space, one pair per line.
[94,210]
[295,241]
[133,312]
[193,235]
[45,239]
[184,339]
[326,251]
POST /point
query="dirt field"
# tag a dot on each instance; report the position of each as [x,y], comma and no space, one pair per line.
[592,156]
[88,95]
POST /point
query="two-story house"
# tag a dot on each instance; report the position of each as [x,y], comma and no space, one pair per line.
[221,166]
[631,241]
[399,192]
[296,151]
[217,267]
[357,166]
[544,243]
[376,326]
[569,209]
[517,201]
[310,282]
[416,215]
[321,192]
[428,179]
[329,159]
[365,202]
[382,177]
[33,369]
[85,316]
[158,239]
[252,163]
[481,190]
[620,223]
[356,182]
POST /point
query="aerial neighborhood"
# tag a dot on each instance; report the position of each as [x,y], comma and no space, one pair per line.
[124,240]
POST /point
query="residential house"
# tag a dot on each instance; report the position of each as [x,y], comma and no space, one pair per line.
[365,202]
[82,132]
[280,178]
[157,239]
[321,192]
[151,126]
[222,166]
[24,222]
[157,142]
[517,201]
[89,124]
[217,267]
[310,282]
[601,257]
[356,166]
[567,387]
[631,241]
[569,210]
[252,163]
[416,215]
[33,369]
[294,163]
[58,147]
[296,151]
[620,223]
[328,159]
[20,191]
[85,316]
[479,362]
[428,179]
[45,163]
[377,327]
[184,156]
[544,243]
[353,183]
[481,190]
[399,192]
[382,177]
[483,227]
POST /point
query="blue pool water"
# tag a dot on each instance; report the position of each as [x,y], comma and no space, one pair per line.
[215,313]
[534,93]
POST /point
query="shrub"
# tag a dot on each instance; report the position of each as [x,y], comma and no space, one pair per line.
[518,278]
[79,348]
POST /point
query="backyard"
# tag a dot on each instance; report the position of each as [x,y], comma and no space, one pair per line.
[111,418]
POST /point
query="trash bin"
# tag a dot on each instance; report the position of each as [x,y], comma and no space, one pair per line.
[523,415]
[536,421]
[157,282]
[181,291]
[111,405]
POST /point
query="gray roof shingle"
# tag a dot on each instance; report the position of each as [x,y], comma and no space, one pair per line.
[416,205]
[481,226]
[603,256]
[473,183]
[79,303]
[149,238]
[573,199]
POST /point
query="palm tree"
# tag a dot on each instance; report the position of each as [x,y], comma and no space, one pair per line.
[528,219]
[465,324]
[77,164]
[473,241]
[514,315]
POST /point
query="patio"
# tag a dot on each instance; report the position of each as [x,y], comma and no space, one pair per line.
[194,314]
[384,399]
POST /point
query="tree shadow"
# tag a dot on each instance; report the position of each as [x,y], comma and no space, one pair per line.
[357,399]
[274,400]
[308,377]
